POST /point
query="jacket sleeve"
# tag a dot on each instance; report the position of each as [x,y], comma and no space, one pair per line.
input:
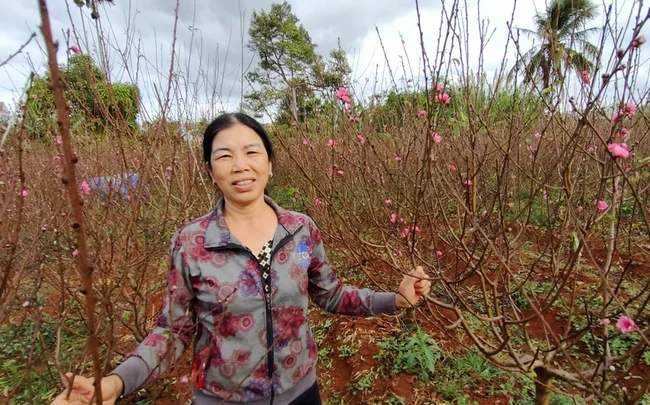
[172,333]
[329,293]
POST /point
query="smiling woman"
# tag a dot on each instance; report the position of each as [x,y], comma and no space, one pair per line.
[239,158]
[238,288]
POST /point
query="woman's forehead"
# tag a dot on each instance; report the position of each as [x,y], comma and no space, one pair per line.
[238,135]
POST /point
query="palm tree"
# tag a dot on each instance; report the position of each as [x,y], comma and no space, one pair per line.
[88,3]
[92,4]
[563,42]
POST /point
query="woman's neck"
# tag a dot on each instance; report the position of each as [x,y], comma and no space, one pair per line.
[241,214]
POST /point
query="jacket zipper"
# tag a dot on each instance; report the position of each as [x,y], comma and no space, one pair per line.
[267,299]
[270,360]
[269,314]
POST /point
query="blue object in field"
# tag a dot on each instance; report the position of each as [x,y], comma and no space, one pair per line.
[123,187]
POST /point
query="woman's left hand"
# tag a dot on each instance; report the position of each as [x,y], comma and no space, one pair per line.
[412,289]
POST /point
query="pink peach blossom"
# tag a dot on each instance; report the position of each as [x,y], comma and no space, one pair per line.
[442,98]
[24,193]
[340,172]
[625,324]
[605,322]
[638,41]
[602,205]
[422,114]
[439,253]
[387,202]
[393,217]
[584,76]
[75,253]
[436,137]
[85,188]
[342,93]
[58,139]
[360,139]
[405,232]
[452,168]
[398,159]
[619,150]
[318,202]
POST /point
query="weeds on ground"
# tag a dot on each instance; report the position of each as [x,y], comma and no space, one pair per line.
[363,381]
[25,345]
[416,353]
[349,344]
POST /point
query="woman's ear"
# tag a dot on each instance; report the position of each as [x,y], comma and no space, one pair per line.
[208,169]
[270,169]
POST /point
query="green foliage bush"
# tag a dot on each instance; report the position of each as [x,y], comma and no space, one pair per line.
[95,104]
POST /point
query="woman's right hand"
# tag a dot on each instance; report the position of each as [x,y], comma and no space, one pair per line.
[83,391]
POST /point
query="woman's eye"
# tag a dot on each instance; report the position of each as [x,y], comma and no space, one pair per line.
[222,157]
[253,152]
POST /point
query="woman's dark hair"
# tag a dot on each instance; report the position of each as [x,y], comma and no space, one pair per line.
[225,121]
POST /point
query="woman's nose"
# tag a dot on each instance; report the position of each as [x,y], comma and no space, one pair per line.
[239,162]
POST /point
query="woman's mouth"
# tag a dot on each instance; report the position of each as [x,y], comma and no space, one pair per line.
[244,185]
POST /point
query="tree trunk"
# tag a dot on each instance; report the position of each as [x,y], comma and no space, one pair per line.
[542,386]
[294,106]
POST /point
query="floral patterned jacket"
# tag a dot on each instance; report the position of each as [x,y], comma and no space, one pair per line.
[216,299]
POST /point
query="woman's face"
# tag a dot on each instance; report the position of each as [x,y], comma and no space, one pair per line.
[240,164]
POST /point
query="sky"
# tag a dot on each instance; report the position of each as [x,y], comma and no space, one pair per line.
[211,53]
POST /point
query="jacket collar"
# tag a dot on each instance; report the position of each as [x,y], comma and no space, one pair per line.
[217,235]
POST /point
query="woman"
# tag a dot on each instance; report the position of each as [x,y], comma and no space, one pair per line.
[238,286]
